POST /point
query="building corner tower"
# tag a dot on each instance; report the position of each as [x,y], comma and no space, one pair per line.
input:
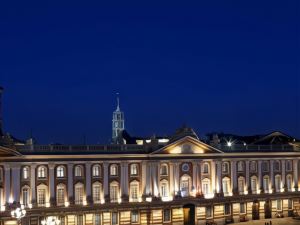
[1,117]
[118,123]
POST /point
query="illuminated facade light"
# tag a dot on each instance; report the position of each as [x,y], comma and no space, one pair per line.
[149,199]
[67,204]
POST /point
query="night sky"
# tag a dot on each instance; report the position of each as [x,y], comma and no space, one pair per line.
[230,66]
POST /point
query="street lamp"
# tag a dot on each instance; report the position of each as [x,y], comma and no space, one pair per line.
[51,220]
[18,213]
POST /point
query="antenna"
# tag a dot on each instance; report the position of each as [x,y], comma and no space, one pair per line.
[118,101]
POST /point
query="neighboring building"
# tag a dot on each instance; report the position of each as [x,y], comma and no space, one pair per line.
[178,179]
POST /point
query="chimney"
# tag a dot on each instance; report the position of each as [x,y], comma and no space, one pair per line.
[1,118]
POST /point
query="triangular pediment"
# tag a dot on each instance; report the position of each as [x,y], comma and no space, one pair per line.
[8,152]
[187,145]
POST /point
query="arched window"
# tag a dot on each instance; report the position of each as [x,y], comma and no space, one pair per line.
[97,192]
[79,192]
[277,183]
[114,191]
[134,169]
[289,166]
[206,168]
[206,186]
[265,166]
[225,167]
[164,170]
[241,185]
[185,185]
[254,184]
[134,191]
[226,186]
[41,195]
[25,172]
[25,196]
[78,171]
[96,170]
[240,166]
[289,182]
[42,172]
[164,188]
[60,171]
[266,184]
[113,170]
[253,166]
[60,194]
[277,165]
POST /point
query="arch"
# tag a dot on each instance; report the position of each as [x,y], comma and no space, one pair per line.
[79,193]
[78,171]
[134,191]
[96,170]
[226,186]
[25,195]
[185,185]
[114,191]
[97,192]
[164,170]
[60,171]
[61,194]
[42,172]
[134,169]
[114,170]
[241,185]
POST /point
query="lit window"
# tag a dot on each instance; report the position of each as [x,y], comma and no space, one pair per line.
[226,187]
[167,215]
[134,169]
[25,172]
[42,172]
[78,171]
[164,170]
[79,194]
[254,185]
[114,170]
[96,171]
[277,183]
[225,167]
[266,184]
[205,168]
[289,182]
[97,219]
[278,205]
[114,192]
[97,192]
[60,171]
[25,196]
[41,195]
[241,185]
[134,191]
[134,216]
[60,194]
[164,188]
[240,166]
[205,186]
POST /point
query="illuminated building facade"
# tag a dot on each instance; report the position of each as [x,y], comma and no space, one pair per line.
[170,180]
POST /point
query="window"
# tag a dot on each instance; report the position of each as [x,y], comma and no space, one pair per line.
[79,194]
[62,220]
[41,195]
[97,192]
[253,166]
[96,171]
[25,196]
[133,169]
[134,191]
[277,183]
[226,183]
[60,171]
[78,171]
[265,166]
[241,185]
[60,194]
[242,207]
[290,204]
[254,185]
[208,211]
[227,209]
[278,205]
[1,174]
[206,186]
[266,183]
[289,182]
[114,218]
[225,167]
[185,167]
[25,174]
[134,216]
[166,215]
[289,165]
[205,168]
[97,219]
[79,220]
[114,191]
[114,170]
[277,166]
[185,185]
[42,172]
[240,166]
[164,170]
[164,188]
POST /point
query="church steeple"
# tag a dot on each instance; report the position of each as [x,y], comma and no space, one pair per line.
[118,123]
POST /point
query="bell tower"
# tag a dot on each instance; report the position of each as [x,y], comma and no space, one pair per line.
[118,123]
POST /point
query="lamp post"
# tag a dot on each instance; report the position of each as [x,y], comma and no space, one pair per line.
[51,220]
[18,213]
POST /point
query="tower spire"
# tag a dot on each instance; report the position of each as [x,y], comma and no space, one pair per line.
[118,123]
[118,102]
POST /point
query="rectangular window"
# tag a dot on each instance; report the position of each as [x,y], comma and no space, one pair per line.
[227,209]
[242,208]
[290,204]
[79,220]
[60,196]
[62,220]
[278,205]
[114,218]
[167,215]
[78,195]
[134,216]
[96,193]
[208,212]
[113,193]
[25,197]
[41,197]
[97,219]
[134,192]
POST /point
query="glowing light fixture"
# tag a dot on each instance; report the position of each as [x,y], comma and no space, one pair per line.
[149,199]
[18,213]
[50,220]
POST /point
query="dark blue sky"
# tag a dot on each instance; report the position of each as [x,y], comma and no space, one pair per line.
[229,66]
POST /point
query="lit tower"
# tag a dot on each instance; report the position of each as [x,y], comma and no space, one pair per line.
[1,118]
[118,122]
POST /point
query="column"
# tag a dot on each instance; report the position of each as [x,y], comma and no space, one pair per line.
[213,177]
[194,178]
[233,177]
[176,178]
[124,181]
[218,177]
[259,176]
[283,187]
[16,183]
[105,181]
[199,184]
[295,169]
[144,178]
[88,183]
[272,175]
[7,183]
[171,176]
[154,174]
[32,184]
[70,183]
[148,179]
[52,184]
[247,181]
